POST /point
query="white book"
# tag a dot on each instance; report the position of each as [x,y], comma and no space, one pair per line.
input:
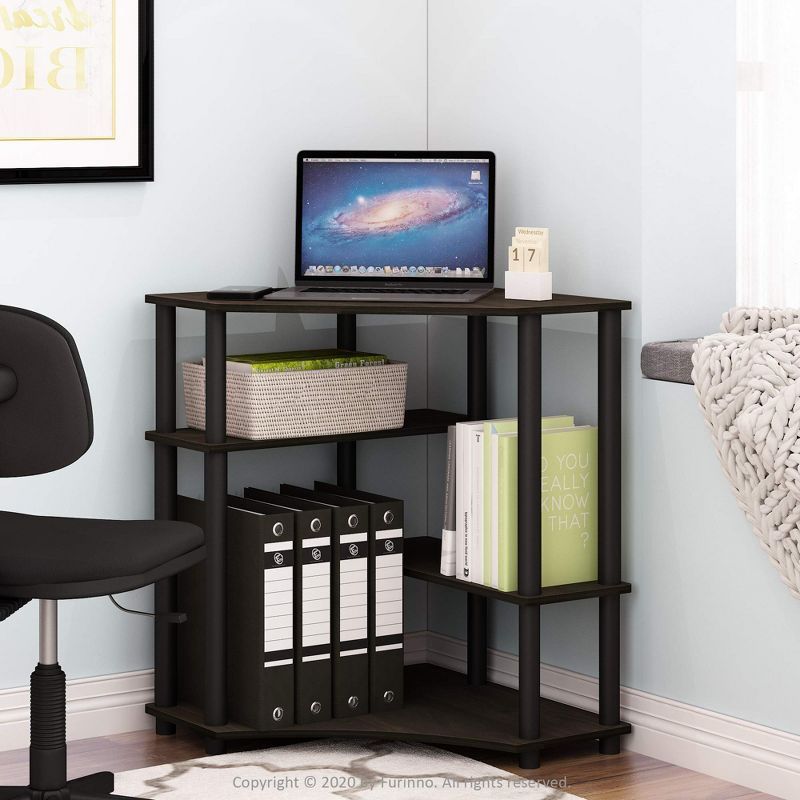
[489,549]
[495,515]
[476,506]
[463,499]
[461,557]
[448,559]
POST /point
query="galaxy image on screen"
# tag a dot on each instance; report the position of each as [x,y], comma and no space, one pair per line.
[413,219]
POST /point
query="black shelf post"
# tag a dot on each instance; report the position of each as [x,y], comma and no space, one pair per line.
[165,497]
[346,339]
[216,498]
[476,409]
[609,413]
[529,526]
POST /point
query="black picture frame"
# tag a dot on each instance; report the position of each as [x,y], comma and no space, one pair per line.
[143,171]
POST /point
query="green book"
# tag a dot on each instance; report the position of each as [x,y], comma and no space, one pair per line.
[490,528]
[569,507]
[300,360]
[505,518]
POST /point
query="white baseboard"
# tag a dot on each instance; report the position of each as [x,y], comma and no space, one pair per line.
[112,704]
[735,750]
[751,755]
[95,707]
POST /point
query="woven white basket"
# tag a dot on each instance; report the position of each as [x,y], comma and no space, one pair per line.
[318,402]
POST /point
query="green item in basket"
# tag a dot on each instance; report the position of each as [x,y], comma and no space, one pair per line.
[300,360]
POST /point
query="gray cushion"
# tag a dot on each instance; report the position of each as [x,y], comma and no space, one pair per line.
[668,361]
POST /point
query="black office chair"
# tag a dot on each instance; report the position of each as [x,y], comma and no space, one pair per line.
[46,424]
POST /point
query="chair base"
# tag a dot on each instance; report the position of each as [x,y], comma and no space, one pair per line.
[99,786]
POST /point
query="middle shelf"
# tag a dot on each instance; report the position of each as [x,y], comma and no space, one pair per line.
[418,422]
[421,560]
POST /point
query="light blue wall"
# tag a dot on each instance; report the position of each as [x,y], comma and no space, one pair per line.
[709,622]
[234,104]
[560,103]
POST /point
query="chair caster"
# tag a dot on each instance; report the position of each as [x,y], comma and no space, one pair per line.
[81,796]
[99,786]
[101,783]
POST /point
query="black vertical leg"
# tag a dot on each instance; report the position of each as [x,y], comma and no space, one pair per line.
[476,409]
[166,492]
[346,339]
[529,524]
[216,495]
[48,750]
[477,643]
[610,515]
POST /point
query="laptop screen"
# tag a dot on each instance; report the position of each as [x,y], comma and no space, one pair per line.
[410,217]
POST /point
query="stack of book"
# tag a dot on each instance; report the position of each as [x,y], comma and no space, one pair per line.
[479,535]
[301,360]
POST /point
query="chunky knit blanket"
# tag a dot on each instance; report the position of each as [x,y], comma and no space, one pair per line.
[747,379]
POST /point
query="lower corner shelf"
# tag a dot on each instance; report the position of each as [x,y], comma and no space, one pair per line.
[440,708]
[422,559]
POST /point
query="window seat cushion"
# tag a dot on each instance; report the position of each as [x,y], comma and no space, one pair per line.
[668,361]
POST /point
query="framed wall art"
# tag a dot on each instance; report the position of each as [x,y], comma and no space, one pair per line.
[76,91]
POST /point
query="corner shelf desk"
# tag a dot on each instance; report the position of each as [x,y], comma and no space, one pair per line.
[441,706]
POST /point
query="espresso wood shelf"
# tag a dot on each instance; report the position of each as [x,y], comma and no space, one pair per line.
[493,304]
[440,707]
[421,560]
[418,422]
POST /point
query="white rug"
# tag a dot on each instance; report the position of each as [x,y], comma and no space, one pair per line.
[340,769]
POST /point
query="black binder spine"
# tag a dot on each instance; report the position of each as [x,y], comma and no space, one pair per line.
[313,648]
[387,661]
[279,621]
[351,627]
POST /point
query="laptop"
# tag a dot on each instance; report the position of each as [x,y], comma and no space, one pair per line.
[393,226]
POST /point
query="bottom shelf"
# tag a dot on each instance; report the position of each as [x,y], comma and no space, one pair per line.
[440,707]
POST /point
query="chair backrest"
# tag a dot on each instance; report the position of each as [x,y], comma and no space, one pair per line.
[45,408]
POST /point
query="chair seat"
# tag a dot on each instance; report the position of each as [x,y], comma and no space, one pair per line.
[59,558]
[10,605]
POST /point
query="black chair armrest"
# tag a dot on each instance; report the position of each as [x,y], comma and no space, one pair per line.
[10,605]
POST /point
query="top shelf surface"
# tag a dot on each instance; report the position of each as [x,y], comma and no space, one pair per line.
[493,304]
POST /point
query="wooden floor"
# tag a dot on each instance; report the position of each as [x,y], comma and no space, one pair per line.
[628,776]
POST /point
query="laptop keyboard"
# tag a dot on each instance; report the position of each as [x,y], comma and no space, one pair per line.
[377,290]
